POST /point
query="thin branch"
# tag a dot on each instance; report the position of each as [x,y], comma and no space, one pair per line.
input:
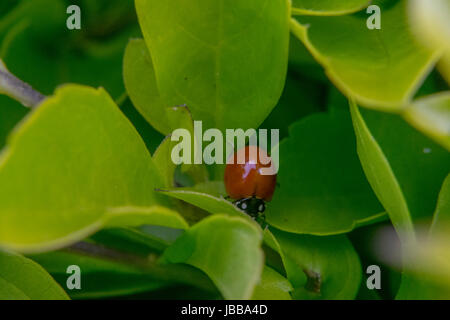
[177,273]
[19,90]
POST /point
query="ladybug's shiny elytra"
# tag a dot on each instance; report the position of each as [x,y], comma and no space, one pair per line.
[245,183]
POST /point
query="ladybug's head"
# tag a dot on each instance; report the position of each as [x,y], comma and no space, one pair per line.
[252,206]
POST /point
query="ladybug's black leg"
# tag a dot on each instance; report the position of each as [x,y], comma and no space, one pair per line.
[261,220]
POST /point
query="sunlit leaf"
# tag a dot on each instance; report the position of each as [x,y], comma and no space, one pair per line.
[327,7]
[74,166]
[226,60]
[227,249]
[23,279]
[381,69]
[273,286]
[404,168]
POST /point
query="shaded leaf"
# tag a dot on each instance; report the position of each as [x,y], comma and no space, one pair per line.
[318,267]
[322,189]
[301,97]
[40,50]
[11,112]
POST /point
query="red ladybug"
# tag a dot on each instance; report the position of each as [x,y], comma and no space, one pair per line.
[245,183]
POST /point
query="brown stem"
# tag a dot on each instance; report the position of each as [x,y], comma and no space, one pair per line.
[19,90]
[314,281]
[178,273]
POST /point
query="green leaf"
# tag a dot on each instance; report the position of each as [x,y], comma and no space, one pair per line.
[206,199]
[178,117]
[136,216]
[327,7]
[99,278]
[273,286]
[23,279]
[318,267]
[65,175]
[227,249]
[163,161]
[151,137]
[226,60]
[140,82]
[404,168]
[431,115]
[381,69]
[322,189]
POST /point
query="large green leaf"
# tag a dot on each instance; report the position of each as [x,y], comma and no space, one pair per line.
[227,249]
[151,137]
[23,279]
[404,168]
[140,82]
[431,115]
[380,68]
[74,166]
[322,189]
[318,267]
[327,7]
[226,60]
